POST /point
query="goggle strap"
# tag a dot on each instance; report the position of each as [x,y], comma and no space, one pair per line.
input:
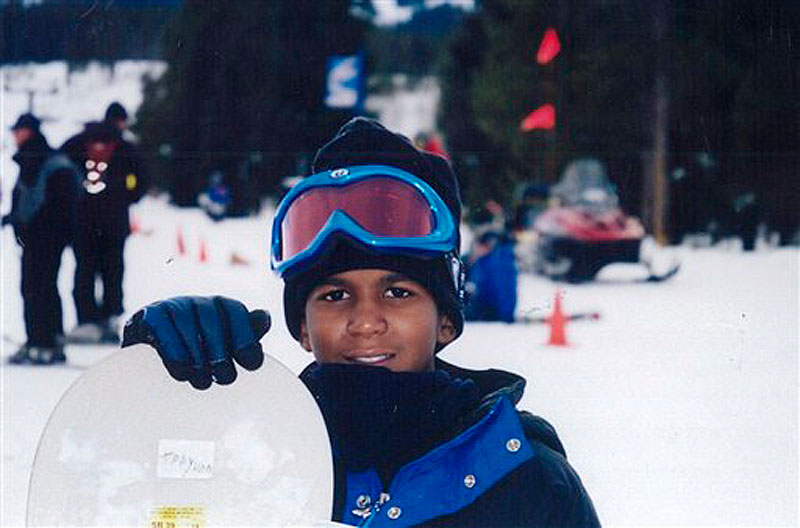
[457,274]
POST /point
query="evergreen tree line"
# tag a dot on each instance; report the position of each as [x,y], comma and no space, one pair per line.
[245,86]
[244,93]
[731,71]
[416,47]
[80,31]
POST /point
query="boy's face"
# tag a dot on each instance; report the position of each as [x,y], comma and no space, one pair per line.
[374,317]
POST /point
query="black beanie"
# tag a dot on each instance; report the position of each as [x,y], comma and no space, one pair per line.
[116,111]
[364,141]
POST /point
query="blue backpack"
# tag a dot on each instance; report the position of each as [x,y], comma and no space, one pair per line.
[31,197]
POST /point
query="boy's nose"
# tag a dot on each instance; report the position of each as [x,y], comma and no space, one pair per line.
[366,318]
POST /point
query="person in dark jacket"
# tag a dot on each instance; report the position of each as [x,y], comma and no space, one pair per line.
[43,216]
[368,249]
[114,178]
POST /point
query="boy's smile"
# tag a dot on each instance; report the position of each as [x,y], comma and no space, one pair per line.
[374,317]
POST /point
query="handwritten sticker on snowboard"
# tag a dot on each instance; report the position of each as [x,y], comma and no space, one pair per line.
[185,459]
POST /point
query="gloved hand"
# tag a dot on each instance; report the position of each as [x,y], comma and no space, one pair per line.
[199,338]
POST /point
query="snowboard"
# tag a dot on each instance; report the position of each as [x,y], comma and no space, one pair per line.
[129,446]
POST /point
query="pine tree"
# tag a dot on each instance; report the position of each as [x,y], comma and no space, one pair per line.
[732,71]
[243,92]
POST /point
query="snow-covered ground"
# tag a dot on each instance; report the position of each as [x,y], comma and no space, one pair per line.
[679,407]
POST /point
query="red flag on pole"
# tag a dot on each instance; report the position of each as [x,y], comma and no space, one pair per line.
[543,118]
[549,47]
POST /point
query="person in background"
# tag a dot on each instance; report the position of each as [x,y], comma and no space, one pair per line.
[117,117]
[113,179]
[43,217]
[491,284]
[535,200]
[430,142]
[216,198]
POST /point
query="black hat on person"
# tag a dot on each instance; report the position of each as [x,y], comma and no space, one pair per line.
[116,112]
[27,120]
[100,131]
[363,141]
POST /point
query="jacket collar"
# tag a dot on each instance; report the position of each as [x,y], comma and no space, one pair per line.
[492,384]
[446,479]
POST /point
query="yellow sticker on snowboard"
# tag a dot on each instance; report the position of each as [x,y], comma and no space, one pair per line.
[177,517]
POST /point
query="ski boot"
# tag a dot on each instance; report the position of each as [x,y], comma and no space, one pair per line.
[21,356]
[47,355]
[104,332]
[110,333]
[86,333]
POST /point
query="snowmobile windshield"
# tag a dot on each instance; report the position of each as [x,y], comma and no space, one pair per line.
[385,208]
[585,184]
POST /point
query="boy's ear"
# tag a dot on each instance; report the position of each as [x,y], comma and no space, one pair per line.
[446,332]
[305,340]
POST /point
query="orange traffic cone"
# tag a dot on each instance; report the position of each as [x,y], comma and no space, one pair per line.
[203,254]
[181,242]
[558,323]
[135,227]
[238,260]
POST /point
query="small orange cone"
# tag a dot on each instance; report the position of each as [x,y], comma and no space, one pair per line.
[181,242]
[558,323]
[203,254]
[238,260]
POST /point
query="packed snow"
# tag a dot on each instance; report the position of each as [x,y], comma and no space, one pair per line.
[678,407]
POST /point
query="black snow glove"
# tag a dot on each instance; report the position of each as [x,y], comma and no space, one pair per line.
[199,338]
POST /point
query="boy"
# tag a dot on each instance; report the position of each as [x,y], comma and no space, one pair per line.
[368,250]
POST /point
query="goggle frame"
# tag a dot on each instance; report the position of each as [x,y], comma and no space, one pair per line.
[441,241]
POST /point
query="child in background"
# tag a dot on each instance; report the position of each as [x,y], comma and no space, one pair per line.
[491,282]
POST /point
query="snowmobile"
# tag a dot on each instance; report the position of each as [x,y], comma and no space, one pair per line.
[585,229]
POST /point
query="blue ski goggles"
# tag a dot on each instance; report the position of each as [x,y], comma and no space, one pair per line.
[384,208]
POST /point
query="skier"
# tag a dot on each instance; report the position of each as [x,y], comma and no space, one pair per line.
[42,215]
[216,198]
[368,250]
[113,179]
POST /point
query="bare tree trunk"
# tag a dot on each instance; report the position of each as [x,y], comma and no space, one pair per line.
[660,146]
[656,189]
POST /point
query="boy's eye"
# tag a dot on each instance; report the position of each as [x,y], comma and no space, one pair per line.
[334,295]
[398,292]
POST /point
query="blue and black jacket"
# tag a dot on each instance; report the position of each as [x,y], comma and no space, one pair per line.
[469,459]
[43,205]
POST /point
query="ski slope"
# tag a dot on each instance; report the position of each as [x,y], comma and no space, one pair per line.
[679,407]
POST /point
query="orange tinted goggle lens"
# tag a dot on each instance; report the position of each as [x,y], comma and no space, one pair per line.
[384,207]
